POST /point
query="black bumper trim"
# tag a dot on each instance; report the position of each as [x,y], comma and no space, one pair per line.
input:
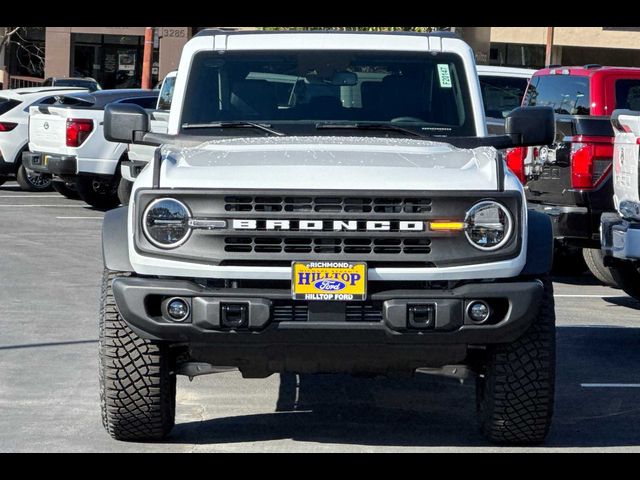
[135,296]
[573,225]
[55,164]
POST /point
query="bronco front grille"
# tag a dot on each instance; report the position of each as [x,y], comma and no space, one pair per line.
[302,204]
[276,227]
[336,245]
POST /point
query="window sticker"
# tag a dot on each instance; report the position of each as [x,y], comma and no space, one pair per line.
[445,76]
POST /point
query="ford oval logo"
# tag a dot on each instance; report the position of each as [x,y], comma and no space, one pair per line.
[329,285]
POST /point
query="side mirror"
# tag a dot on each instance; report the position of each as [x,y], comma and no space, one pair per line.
[531,126]
[123,120]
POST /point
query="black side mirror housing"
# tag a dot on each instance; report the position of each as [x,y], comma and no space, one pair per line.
[123,120]
[531,126]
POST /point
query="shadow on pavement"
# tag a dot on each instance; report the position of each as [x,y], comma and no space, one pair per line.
[586,279]
[436,411]
[49,344]
[628,302]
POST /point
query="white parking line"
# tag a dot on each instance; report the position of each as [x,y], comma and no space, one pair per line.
[79,218]
[29,196]
[610,385]
[41,206]
[588,296]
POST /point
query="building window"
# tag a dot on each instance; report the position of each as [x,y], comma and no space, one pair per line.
[115,61]
[517,55]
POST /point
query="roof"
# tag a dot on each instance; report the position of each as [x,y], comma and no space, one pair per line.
[217,31]
[86,79]
[101,98]
[505,71]
[21,93]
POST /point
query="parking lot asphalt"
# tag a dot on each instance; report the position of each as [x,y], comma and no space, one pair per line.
[50,273]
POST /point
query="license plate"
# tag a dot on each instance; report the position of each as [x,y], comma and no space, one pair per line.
[329,281]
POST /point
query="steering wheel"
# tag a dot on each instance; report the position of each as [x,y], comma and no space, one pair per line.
[406,119]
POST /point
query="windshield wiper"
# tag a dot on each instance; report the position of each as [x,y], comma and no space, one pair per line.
[264,128]
[367,126]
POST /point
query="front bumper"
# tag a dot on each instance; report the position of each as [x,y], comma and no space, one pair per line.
[620,238]
[61,165]
[380,334]
[575,226]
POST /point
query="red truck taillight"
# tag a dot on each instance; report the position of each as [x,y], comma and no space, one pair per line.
[78,130]
[515,161]
[591,159]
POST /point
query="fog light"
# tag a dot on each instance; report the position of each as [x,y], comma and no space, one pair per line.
[478,311]
[178,309]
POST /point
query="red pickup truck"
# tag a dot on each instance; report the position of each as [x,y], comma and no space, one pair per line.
[571,180]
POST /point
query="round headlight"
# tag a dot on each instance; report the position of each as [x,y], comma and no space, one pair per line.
[166,223]
[488,225]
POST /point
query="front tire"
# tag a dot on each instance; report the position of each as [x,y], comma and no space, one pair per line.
[516,386]
[33,182]
[595,262]
[99,193]
[137,387]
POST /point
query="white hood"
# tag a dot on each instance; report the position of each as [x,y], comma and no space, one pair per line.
[333,163]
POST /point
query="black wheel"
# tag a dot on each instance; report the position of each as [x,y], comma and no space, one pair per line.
[594,259]
[33,182]
[65,189]
[3,179]
[627,277]
[515,388]
[137,388]
[98,192]
[124,191]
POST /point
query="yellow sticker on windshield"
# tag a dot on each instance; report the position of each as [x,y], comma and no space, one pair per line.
[445,75]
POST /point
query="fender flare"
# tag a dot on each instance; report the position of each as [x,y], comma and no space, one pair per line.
[539,244]
[115,244]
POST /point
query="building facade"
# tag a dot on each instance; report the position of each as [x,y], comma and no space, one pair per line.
[526,46]
[113,55]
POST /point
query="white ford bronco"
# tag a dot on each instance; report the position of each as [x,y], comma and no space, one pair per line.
[327,203]
[620,230]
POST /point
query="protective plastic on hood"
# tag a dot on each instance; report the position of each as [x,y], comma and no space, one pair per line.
[329,163]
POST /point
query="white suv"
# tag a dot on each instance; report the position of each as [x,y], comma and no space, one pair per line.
[327,202]
[14,132]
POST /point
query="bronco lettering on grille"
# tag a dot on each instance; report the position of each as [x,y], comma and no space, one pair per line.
[330,225]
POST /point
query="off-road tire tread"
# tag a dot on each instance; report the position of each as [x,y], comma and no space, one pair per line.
[137,389]
[516,395]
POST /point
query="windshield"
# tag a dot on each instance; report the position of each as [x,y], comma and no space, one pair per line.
[426,92]
[566,94]
[501,94]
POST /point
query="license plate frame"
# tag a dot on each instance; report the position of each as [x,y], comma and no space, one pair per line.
[328,281]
